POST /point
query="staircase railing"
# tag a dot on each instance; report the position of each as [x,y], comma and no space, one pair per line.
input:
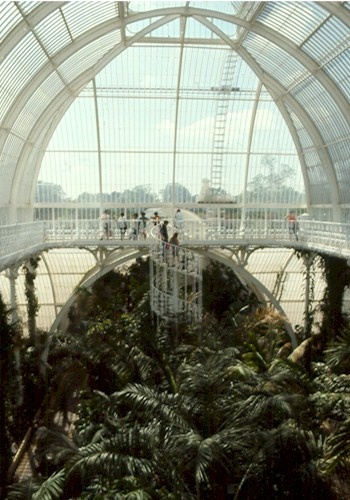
[176,281]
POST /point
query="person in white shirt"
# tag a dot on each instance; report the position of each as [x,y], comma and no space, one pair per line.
[122,225]
[178,220]
[107,225]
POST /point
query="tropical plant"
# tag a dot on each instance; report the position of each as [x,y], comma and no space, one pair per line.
[336,273]
[38,489]
[221,410]
[32,301]
[7,372]
[337,353]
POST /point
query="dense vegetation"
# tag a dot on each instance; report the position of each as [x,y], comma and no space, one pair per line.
[220,410]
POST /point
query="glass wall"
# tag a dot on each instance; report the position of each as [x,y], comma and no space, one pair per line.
[161,124]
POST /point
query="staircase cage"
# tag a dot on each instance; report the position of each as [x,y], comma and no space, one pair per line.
[176,281]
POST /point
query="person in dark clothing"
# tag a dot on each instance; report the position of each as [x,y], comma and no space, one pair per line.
[156,219]
[174,247]
[163,233]
[143,225]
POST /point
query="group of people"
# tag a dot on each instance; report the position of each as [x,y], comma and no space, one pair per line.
[137,227]
[169,247]
[134,229]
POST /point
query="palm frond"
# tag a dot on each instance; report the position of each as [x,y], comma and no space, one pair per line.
[52,488]
[337,447]
[128,453]
[291,376]
[140,494]
[206,454]
[152,402]
[338,353]
[23,489]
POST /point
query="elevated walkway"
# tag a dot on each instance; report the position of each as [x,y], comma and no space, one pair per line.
[21,241]
[73,255]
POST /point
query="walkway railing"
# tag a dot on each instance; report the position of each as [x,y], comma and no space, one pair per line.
[327,236]
[202,229]
[19,237]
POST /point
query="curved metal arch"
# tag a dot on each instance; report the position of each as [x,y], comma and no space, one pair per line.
[177,12]
[95,273]
[253,284]
[64,103]
[21,29]
[200,15]
[294,51]
[276,90]
[309,125]
[309,63]
[271,84]
[89,279]
[53,64]
[56,110]
[336,9]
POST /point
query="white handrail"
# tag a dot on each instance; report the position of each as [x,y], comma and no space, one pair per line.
[18,237]
[331,236]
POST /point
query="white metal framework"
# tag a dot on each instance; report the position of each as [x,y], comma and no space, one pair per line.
[175,282]
[116,105]
[53,52]
[261,253]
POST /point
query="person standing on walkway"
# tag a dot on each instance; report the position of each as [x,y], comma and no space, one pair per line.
[292,225]
[156,219]
[107,228]
[134,229]
[143,220]
[122,225]
[178,220]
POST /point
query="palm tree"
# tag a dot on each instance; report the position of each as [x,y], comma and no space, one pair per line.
[285,466]
[216,413]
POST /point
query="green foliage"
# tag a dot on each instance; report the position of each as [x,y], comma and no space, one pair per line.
[32,301]
[224,296]
[38,489]
[338,352]
[116,293]
[51,488]
[187,411]
[338,447]
[337,276]
[7,389]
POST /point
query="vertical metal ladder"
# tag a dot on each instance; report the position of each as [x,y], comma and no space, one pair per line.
[224,93]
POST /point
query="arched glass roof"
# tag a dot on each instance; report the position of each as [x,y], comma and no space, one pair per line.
[103,97]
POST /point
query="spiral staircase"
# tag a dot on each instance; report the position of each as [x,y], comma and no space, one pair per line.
[176,281]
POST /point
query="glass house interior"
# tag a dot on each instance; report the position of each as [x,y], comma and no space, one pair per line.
[238,108]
